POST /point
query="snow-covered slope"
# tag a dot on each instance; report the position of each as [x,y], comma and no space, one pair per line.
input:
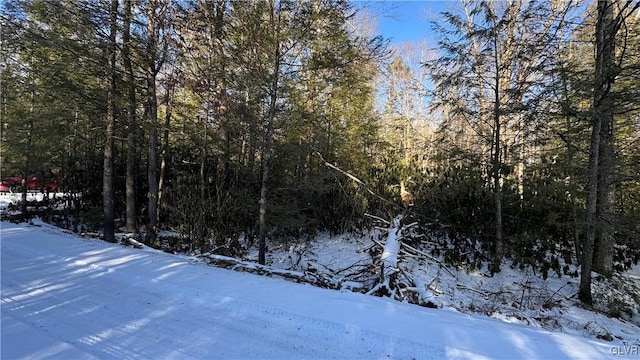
[71,298]
[513,295]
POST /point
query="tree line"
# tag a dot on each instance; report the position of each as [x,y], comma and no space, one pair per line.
[516,132]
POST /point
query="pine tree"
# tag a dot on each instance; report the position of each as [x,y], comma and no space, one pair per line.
[600,196]
[58,53]
[132,124]
[157,14]
[485,78]
[107,181]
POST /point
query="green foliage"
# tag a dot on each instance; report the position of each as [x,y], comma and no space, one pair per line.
[217,80]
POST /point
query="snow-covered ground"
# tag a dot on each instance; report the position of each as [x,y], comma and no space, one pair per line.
[71,298]
[7,199]
[512,295]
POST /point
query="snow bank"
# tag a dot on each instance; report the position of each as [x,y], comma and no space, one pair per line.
[65,297]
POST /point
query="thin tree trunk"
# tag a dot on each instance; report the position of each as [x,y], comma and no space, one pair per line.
[268,144]
[130,191]
[27,162]
[23,194]
[497,187]
[130,185]
[497,196]
[222,107]
[571,168]
[262,222]
[153,180]
[152,106]
[107,179]
[165,146]
[574,204]
[203,157]
[266,165]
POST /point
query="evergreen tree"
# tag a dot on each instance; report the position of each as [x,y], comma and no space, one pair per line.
[611,15]
[485,78]
[57,52]
[108,175]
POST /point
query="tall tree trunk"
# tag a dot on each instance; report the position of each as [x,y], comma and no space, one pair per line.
[496,162]
[24,209]
[152,178]
[27,161]
[266,166]
[592,197]
[107,178]
[152,109]
[497,192]
[268,134]
[570,151]
[130,191]
[222,104]
[605,213]
[604,80]
[165,145]
[203,157]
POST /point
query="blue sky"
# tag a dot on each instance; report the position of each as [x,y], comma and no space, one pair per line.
[405,21]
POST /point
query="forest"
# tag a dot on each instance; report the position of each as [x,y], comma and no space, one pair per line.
[513,134]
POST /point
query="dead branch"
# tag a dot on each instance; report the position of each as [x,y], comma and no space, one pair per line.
[357,264]
[429,257]
[310,277]
[357,181]
[377,218]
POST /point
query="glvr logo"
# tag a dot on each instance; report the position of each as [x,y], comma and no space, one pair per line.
[626,350]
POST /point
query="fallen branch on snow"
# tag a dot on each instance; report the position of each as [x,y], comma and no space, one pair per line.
[387,285]
[310,277]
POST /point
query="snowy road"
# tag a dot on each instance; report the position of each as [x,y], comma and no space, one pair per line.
[70,298]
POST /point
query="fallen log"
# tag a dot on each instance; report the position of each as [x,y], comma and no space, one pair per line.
[127,240]
[389,262]
[310,277]
[394,281]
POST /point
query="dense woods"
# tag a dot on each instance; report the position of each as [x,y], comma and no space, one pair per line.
[515,131]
